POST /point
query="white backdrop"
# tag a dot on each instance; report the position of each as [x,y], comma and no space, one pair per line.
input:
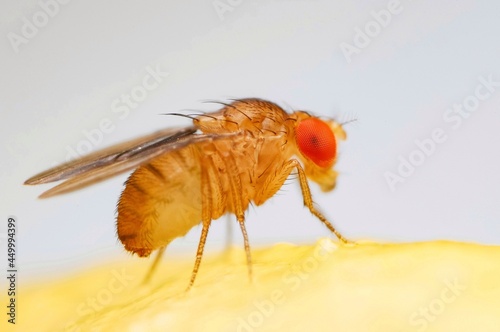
[421,78]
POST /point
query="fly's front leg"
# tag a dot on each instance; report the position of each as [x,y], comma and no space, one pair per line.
[275,180]
[306,194]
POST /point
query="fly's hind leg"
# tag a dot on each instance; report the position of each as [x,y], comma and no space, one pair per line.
[158,257]
[276,180]
[229,232]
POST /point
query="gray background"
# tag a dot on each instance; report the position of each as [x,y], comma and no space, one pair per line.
[64,79]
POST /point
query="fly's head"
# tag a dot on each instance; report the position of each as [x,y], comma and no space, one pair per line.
[316,141]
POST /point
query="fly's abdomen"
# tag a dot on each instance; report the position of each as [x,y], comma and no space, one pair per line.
[161,201]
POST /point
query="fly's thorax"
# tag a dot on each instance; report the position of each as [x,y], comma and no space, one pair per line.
[255,116]
[240,166]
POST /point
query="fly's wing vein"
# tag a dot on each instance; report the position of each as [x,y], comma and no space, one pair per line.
[110,155]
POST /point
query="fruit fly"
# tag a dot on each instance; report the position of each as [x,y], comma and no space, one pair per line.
[228,159]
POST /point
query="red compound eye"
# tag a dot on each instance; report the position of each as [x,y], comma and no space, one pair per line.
[316,141]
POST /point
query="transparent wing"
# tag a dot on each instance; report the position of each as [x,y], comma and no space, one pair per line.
[117,159]
[109,155]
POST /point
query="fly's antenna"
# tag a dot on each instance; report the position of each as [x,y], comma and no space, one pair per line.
[348,121]
[348,118]
[344,119]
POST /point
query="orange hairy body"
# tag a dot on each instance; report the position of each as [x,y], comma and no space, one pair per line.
[226,160]
[165,198]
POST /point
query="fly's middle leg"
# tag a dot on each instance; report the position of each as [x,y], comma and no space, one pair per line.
[237,199]
[241,221]
[206,217]
[199,253]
